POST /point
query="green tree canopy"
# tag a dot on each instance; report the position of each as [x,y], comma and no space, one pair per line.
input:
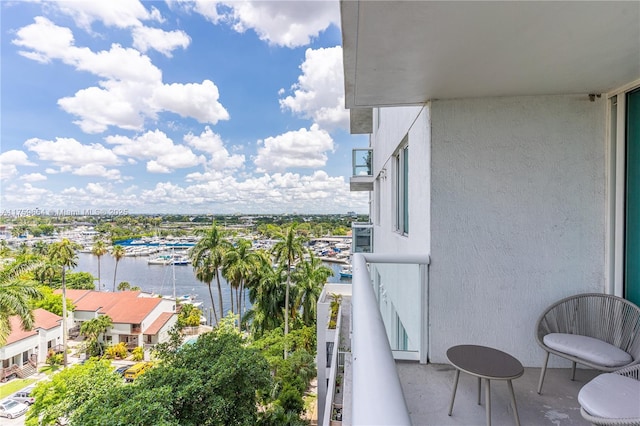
[51,302]
[80,280]
[69,390]
[189,316]
[124,285]
[130,405]
[215,381]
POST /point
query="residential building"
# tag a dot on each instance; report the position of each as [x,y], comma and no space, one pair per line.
[138,318]
[24,349]
[503,166]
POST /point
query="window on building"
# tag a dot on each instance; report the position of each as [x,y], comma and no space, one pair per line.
[329,353]
[402,188]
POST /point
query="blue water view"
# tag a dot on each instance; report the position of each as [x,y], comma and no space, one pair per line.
[159,279]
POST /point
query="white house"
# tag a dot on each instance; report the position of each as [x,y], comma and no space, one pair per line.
[138,318]
[505,141]
[24,347]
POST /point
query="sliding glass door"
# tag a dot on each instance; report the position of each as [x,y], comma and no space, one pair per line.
[632,200]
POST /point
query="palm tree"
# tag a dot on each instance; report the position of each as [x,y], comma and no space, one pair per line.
[16,291]
[63,254]
[310,276]
[46,272]
[266,293]
[206,272]
[238,264]
[289,249]
[40,248]
[99,249]
[118,253]
[92,329]
[208,253]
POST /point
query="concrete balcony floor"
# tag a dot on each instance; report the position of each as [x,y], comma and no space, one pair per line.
[427,390]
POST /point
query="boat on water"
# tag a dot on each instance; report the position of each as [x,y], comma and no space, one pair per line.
[169,259]
[190,299]
[346,271]
[163,259]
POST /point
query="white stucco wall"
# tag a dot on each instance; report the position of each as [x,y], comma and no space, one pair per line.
[391,125]
[36,344]
[163,334]
[165,305]
[517,216]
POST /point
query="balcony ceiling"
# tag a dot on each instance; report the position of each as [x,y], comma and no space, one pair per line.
[405,53]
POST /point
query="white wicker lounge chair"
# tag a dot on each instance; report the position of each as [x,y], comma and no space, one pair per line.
[612,398]
[600,331]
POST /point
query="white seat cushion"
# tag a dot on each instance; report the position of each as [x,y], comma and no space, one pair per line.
[611,396]
[588,348]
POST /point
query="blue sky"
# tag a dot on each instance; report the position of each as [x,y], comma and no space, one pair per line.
[174,107]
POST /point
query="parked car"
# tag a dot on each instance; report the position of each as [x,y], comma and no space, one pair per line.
[121,370]
[11,408]
[24,396]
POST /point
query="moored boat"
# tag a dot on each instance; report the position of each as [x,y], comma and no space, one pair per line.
[346,272]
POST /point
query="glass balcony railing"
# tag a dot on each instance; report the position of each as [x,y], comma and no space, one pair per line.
[362,237]
[362,161]
[389,303]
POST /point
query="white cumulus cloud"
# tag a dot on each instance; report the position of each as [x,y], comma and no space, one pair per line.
[131,90]
[155,146]
[15,157]
[319,92]
[112,13]
[33,177]
[97,170]
[71,153]
[165,42]
[26,195]
[199,101]
[282,23]
[212,144]
[300,148]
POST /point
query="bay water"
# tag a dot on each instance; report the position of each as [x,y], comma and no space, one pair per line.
[159,279]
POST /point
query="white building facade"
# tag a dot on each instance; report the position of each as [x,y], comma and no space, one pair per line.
[509,159]
[32,346]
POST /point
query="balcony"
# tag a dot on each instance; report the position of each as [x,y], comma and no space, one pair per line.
[362,164]
[362,237]
[386,377]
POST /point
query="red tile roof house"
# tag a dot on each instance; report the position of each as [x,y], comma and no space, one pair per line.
[139,319]
[23,350]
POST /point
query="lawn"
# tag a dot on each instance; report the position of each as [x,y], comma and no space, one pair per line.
[13,386]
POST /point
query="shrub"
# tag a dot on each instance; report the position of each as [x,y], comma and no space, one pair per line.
[291,400]
[138,353]
[334,307]
[117,351]
[54,359]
